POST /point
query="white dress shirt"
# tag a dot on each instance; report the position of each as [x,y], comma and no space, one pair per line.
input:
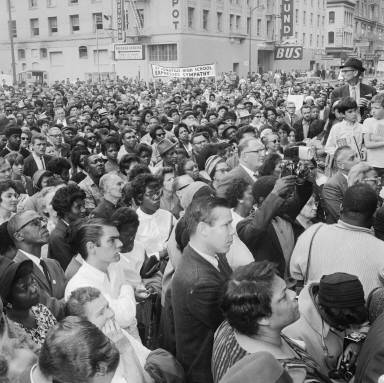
[249,172]
[39,161]
[34,259]
[119,294]
[209,258]
[357,92]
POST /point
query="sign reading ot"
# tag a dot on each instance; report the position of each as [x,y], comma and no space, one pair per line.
[286,18]
[129,52]
[288,53]
[185,72]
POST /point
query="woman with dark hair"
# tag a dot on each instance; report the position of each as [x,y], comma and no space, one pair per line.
[126,164]
[257,306]
[144,152]
[110,147]
[77,162]
[157,134]
[16,160]
[8,200]
[271,166]
[182,133]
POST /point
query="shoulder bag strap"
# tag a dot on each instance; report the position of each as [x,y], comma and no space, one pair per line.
[310,254]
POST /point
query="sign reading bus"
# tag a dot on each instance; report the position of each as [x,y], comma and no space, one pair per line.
[288,53]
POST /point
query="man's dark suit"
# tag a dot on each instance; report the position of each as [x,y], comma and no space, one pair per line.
[333,194]
[235,174]
[370,363]
[366,91]
[23,151]
[59,246]
[30,166]
[196,288]
[291,121]
[51,293]
[258,232]
[315,128]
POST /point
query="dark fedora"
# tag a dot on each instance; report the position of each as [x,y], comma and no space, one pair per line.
[354,63]
[165,145]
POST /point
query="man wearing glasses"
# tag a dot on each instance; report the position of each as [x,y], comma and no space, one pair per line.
[29,233]
[352,72]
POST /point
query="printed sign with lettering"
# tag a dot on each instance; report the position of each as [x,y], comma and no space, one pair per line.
[288,53]
[129,52]
[120,19]
[286,18]
[197,71]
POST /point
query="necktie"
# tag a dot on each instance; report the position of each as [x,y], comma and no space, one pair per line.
[46,272]
[42,161]
[353,92]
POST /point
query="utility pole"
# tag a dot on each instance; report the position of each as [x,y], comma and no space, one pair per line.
[251,10]
[11,41]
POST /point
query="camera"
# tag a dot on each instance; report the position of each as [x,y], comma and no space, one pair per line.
[346,366]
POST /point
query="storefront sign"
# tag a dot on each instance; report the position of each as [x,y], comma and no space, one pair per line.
[185,72]
[120,19]
[175,13]
[288,53]
[129,52]
[286,18]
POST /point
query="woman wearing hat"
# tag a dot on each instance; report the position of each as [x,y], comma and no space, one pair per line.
[216,168]
[20,293]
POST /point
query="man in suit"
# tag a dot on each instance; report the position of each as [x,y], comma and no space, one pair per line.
[303,127]
[352,72]
[37,160]
[13,134]
[61,149]
[251,157]
[335,188]
[197,284]
[290,116]
[29,233]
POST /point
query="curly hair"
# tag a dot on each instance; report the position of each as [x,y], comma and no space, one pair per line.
[247,296]
[235,192]
[56,165]
[125,216]
[140,183]
[64,198]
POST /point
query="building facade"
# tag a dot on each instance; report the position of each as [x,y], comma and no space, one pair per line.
[75,38]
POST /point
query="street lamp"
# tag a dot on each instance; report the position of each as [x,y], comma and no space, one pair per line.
[251,10]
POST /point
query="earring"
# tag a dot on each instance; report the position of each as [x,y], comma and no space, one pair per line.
[9,306]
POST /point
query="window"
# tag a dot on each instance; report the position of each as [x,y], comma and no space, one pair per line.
[97,21]
[248,25]
[56,58]
[52,25]
[13,28]
[322,41]
[231,22]
[219,22]
[238,23]
[296,16]
[311,40]
[32,3]
[205,19]
[318,20]
[331,17]
[21,54]
[73,2]
[331,37]
[311,19]
[140,15]
[43,53]
[34,27]
[317,41]
[323,21]
[51,3]
[83,52]
[304,17]
[191,12]
[74,22]
[258,27]
[35,54]
[303,38]
[162,52]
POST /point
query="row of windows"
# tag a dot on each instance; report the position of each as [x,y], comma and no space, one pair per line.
[74,23]
[347,38]
[311,42]
[157,52]
[33,4]
[311,18]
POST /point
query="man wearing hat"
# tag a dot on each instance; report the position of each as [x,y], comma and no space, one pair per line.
[352,72]
[329,310]
[167,152]
[13,134]
[29,233]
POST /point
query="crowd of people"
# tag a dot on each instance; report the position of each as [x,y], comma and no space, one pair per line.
[192,231]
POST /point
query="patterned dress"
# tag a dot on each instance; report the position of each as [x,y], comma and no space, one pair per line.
[44,321]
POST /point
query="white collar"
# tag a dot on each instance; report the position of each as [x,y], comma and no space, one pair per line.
[249,171]
[209,258]
[33,258]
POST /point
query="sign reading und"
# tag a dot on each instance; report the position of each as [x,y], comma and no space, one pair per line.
[129,52]
[288,53]
[120,19]
[197,71]
[286,19]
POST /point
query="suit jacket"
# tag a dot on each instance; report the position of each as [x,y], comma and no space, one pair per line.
[333,194]
[258,232]
[370,363]
[30,166]
[236,173]
[288,120]
[59,246]
[315,128]
[197,287]
[366,91]
[51,294]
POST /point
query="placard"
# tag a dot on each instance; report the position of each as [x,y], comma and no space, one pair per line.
[129,52]
[197,71]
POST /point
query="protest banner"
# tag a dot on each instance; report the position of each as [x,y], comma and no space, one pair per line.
[197,71]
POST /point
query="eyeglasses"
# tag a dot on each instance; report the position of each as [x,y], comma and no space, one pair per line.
[24,139]
[347,70]
[97,161]
[275,141]
[38,221]
[259,151]
[154,194]
[258,116]
[160,134]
